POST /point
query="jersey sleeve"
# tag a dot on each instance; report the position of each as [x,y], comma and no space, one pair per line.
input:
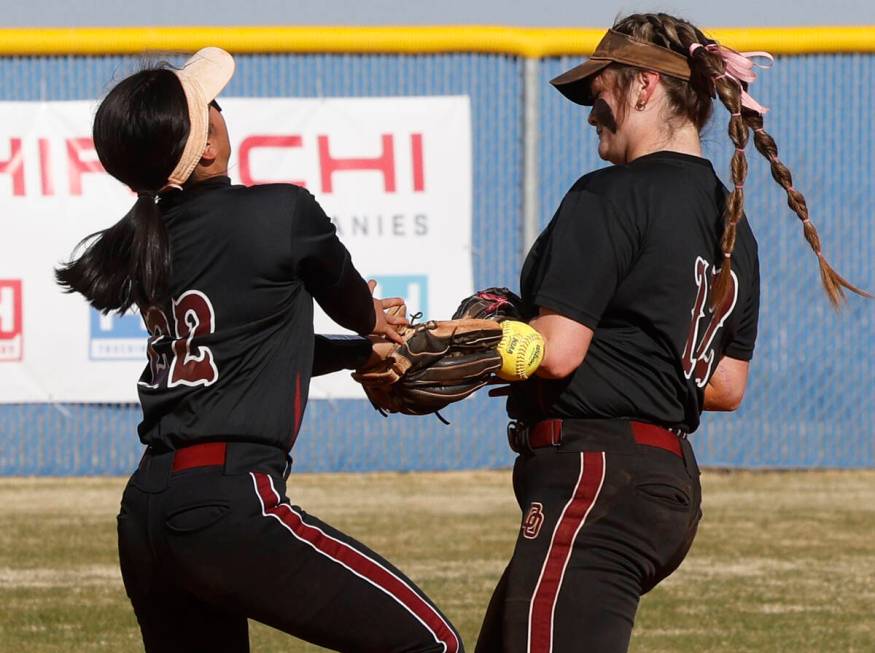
[326,268]
[741,345]
[591,248]
[332,353]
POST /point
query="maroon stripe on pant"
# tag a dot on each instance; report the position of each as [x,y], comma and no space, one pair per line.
[356,561]
[583,498]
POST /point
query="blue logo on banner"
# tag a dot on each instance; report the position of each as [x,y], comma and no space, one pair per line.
[412,287]
[117,337]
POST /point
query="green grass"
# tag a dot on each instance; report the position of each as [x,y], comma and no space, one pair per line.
[784,561]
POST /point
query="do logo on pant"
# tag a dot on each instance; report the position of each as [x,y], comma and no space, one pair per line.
[532,523]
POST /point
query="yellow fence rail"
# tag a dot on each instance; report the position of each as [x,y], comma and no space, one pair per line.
[520,41]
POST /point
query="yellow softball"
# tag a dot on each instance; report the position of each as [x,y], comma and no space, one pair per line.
[521,349]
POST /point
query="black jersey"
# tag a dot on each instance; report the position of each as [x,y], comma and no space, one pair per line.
[230,357]
[630,254]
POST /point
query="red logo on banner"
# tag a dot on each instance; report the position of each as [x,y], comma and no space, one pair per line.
[383,164]
[11,331]
[79,159]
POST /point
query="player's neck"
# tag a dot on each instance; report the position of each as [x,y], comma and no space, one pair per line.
[683,139]
[217,168]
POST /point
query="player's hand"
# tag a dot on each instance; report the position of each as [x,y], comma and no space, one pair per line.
[388,324]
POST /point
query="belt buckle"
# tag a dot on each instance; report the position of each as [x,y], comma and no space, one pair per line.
[517,436]
[556,434]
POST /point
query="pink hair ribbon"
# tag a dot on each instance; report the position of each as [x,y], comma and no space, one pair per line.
[739,67]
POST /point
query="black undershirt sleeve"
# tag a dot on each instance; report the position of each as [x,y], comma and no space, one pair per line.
[591,248]
[326,268]
[332,353]
[742,344]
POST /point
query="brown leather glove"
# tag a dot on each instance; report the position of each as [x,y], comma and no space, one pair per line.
[439,363]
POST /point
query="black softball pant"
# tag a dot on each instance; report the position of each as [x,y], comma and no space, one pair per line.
[604,520]
[202,550]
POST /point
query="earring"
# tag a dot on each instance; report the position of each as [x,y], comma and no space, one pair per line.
[640,105]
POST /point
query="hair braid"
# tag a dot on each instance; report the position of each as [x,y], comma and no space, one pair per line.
[692,100]
[708,77]
[833,282]
[729,94]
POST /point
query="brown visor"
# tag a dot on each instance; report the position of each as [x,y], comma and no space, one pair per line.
[619,48]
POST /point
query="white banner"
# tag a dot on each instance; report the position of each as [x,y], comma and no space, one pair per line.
[394,174]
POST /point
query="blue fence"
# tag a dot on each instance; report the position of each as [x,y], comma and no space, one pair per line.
[810,398]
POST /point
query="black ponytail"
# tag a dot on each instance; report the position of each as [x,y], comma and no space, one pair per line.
[126,264]
[140,130]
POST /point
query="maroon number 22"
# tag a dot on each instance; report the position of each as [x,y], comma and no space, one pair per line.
[186,364]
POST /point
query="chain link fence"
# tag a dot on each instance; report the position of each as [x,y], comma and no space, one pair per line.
[810,398]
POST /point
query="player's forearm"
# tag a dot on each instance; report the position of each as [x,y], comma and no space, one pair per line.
[348,302]
[565,344]
[555,365]
[725,389]
[334,353]
[718,400]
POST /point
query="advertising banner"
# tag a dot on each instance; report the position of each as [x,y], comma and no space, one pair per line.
[394,175]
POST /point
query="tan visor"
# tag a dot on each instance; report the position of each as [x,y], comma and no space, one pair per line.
[203,77]
[619,48]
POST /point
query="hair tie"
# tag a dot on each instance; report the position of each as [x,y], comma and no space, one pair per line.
[739,186]
[695,47]
[735,114]
[739,149]
[727,254]
[150,195]
[739,67]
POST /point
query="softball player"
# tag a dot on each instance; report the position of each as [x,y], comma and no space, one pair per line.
[645,289]
[225,277]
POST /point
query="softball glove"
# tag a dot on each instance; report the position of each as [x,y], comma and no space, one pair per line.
[438,364]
